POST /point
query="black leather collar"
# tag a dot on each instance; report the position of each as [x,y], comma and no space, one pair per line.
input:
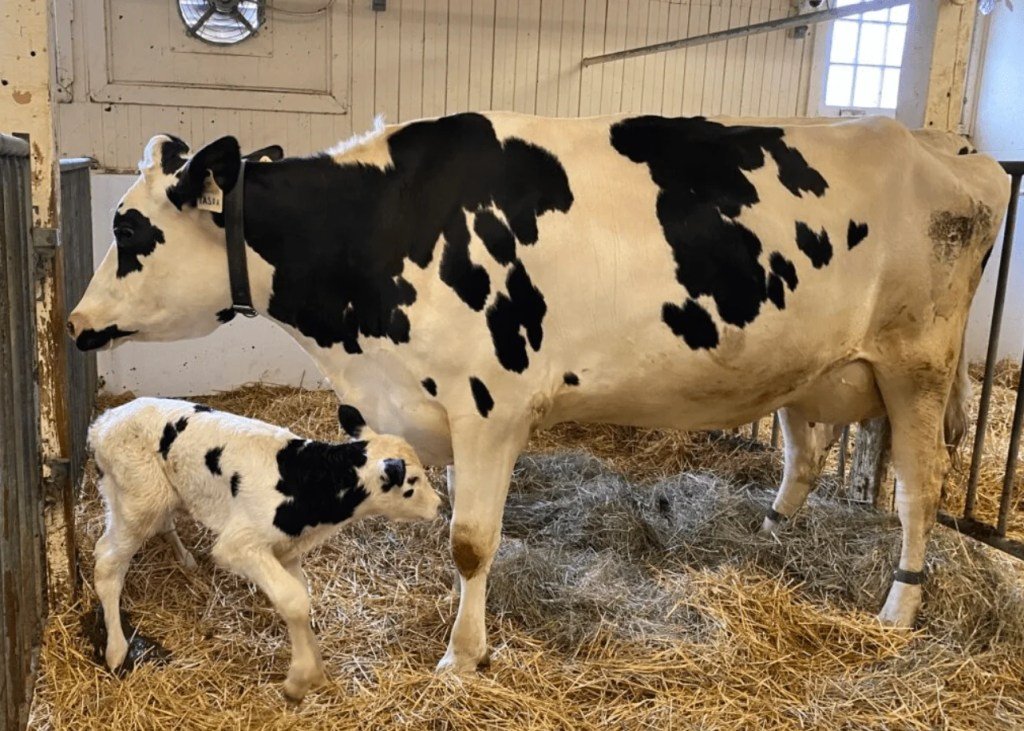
[234,226]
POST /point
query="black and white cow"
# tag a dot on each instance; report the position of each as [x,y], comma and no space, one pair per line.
[468,279]
[267,495]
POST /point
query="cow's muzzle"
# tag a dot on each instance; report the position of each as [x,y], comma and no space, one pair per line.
[92,339]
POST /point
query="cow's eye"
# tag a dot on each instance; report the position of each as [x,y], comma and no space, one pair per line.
[122,234]
[413,480]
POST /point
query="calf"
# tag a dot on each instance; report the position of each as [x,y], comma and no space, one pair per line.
[268,495]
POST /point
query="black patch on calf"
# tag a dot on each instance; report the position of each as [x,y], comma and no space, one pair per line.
[699,167]
[171,432]
[776,292]
[570,379]
[350,420]
[692,323]
[172,155]
[226,315]
[321,483]
[213,460]
[136,237]
[522,309]
[482,397]
[817,246]
[202,409]
[394,471]
[429,386]
[236,480]
[336,265]
[855,233]
[93,339]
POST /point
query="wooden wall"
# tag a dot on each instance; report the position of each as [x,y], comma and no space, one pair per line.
[419,58]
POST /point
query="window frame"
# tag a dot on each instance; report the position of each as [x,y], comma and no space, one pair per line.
[819,71]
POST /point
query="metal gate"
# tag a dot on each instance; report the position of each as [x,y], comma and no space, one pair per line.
[22,562]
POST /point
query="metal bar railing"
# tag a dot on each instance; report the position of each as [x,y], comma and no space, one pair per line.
[1016,170]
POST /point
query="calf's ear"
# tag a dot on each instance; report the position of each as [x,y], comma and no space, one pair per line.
[273,153]
[352,422]
[221,159]
[164,155]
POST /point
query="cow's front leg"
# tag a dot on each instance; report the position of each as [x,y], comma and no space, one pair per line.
[484,457]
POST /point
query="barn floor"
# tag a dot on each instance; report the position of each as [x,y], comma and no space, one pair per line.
[629,592]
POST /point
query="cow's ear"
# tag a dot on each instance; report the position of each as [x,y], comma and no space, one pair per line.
[164,155]
[221,159]
[273,153]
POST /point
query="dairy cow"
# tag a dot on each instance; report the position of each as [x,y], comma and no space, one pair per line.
[465,280]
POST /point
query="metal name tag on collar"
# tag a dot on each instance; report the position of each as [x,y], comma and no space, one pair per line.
[234,227]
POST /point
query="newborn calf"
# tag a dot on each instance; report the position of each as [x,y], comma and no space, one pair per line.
[268,496]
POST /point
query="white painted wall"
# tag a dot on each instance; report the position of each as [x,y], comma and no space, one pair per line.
[999,131]
[242,351]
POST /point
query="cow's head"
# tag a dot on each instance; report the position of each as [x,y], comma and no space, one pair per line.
[165,276]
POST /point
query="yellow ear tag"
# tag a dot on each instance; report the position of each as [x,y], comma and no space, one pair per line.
[212,197]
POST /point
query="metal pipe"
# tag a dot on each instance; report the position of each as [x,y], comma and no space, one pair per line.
[767,26]
[993,346]
[1011,456]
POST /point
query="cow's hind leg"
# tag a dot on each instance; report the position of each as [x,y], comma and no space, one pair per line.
[173,540]
[915,403]
[806,447]
[484,457]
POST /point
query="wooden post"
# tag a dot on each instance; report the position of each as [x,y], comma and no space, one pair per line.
[951,51]
[27,108]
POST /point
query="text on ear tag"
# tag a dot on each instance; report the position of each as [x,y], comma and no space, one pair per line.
[212,197]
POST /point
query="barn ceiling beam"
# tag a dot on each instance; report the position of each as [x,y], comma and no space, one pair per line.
[795,21]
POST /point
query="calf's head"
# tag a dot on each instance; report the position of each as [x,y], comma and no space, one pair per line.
[165,275]
[396,484]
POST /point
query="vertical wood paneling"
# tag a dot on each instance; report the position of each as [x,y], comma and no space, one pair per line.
[423,58]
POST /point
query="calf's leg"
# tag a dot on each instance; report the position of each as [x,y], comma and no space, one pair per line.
[484,458]
[170,536]
[290,598]
[806,447]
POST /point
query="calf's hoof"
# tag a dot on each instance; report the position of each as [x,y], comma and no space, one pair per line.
[769,527]
[297,685]
[188,562]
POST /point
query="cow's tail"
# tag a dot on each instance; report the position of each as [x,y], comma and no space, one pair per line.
[955,423]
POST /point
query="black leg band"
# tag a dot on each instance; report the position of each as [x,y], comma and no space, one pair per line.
[776,516]
[913,578]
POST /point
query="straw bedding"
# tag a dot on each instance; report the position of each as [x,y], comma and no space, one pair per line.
[629,592]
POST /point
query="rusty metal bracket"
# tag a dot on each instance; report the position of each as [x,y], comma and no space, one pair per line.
[44,244]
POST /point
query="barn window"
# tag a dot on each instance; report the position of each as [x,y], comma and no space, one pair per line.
[863,58]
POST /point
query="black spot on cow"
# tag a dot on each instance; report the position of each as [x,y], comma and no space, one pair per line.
[321,483]
[855,233]
[337,266]
[429,386]
[521,310]
[213,460]
[136,237]
[351,420]
[394,473]
[966,150]
[816,245]
[236,480]
[497,237]
[170,433]
[570,379]
[172,155]
[692,323]
[700,169]
[776,292]
[202,409]
[225,315]
[93,339]
[784,269]
[468,280]
[481,396]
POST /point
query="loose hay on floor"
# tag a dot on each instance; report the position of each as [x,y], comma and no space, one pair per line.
[627,593]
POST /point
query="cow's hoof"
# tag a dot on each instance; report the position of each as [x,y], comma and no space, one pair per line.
[297,685]
[188,562]
[463,665]
[769,527]
[901,606]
